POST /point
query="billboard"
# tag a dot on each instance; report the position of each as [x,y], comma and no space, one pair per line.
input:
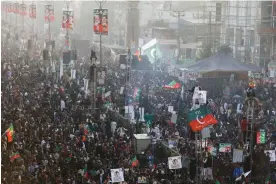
[100,21]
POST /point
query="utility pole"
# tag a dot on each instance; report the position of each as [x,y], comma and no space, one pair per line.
[100,3]
[93,80]
[67,29]
[23,10]
[178,14]
[210,31]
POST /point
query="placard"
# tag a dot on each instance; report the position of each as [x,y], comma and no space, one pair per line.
[237,156]
[117,175]
[101,21]
[175,162]
[271,154]
[172,143]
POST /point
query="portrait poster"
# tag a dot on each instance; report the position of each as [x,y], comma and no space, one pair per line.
[49,13]
[175,162]
[117,175]
[100,24]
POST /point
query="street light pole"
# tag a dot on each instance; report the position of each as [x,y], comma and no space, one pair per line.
[100,3]
[178,14]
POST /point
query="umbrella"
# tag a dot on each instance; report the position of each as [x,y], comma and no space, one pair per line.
[245,175]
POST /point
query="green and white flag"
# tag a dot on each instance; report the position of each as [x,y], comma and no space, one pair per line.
[152,50]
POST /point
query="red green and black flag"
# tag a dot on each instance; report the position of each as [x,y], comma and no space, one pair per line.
[14,156]
[134,162]
[10,133]
[173,85]
[200,118]
[85,172]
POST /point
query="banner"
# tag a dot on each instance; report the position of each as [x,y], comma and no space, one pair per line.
[49,13]
[117,175]
[15,8]
[23,9]
[271,154]
[100,21]
[175,162]
[225,147]
[173,143]
[68,19]
[261,137]
[32,11]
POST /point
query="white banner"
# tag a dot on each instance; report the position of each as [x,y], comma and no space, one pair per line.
[117,175]
[175,162]
[271,154]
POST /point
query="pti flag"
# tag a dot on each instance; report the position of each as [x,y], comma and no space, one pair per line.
[261,137]
[152,50]
[200,118]
[49,13]
[173,85]
[68,19]
[101,21]
[32,11]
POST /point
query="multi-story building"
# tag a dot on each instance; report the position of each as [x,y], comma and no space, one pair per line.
[238,28]
[266,33]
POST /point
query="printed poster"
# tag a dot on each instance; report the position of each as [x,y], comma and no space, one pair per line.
[271,154]
[175,162]
[32,11]
[68,19]
[101,21]
[237,156]
[117,175]
[225,148]
[49,13]
[23,10]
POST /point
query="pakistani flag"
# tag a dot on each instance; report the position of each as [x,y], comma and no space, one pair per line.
[152,50]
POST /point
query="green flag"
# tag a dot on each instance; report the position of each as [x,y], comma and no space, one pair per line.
[152,50]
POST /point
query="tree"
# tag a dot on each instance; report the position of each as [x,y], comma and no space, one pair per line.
[204,52]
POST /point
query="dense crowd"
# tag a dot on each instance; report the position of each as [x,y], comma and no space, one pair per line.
[58,140]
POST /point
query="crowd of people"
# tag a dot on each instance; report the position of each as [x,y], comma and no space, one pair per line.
[57,139]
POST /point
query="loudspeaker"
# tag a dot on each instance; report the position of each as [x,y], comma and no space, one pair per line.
[93,54]
[74,55]
[29,44]
[92,72]
[45,55]
[66,57]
